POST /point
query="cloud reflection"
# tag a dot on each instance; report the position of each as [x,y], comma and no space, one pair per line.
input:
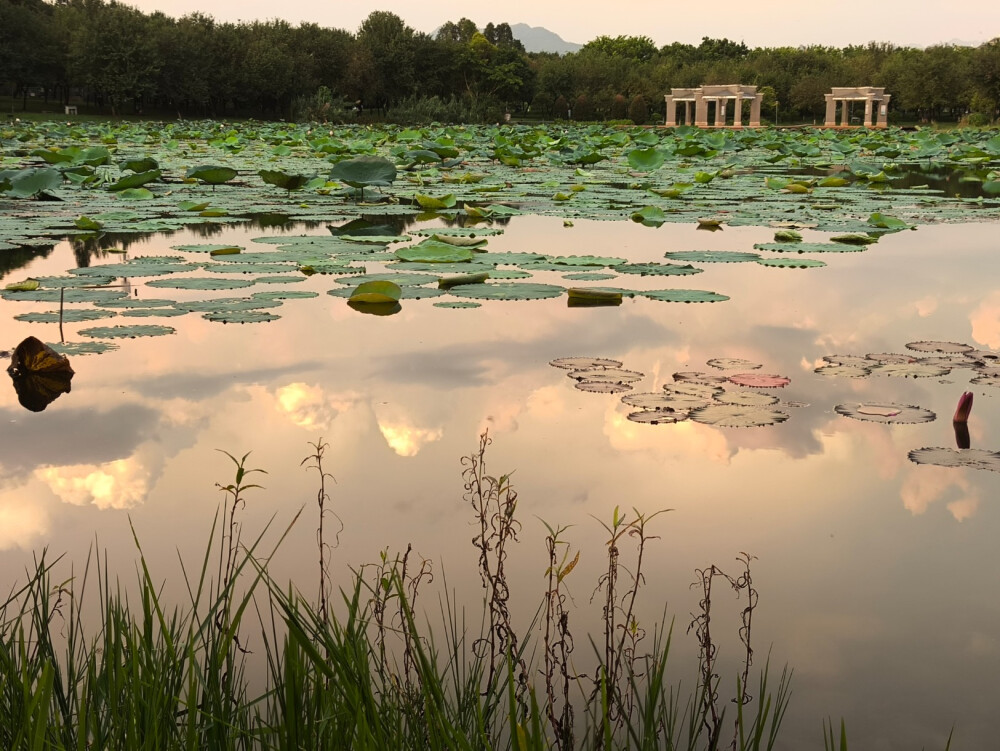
[925,485]
[311,407]
[120,484]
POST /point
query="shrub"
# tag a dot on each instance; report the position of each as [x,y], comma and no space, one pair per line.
[619,108]
[638,111]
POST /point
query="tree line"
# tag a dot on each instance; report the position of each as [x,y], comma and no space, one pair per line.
[118,60]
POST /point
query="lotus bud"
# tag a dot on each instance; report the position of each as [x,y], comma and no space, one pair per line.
[964,407]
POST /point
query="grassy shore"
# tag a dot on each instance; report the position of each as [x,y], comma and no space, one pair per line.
[354,669]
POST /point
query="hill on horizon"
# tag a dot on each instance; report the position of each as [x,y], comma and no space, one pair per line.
[539,39]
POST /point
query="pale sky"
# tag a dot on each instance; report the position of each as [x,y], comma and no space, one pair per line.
[759,23]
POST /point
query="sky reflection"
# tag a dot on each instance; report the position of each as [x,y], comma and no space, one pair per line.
[872,570]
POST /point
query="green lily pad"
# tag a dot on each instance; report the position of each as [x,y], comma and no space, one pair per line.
[791,262]
[211,174]
[200,282]
[83,348]
[432,251]
[126,332]
[809,247]
[885,412]
[584,363]
[945,457]
[711,256]
[657,269]
[508,291]
[457,304]
[241,316]
[682,295]
[376,292]
[69,315]
[737,416]
[402,279]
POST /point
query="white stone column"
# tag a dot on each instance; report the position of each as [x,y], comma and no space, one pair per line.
[755,111]
[671,121]
[688,113]
[868,112]
[883,112]
[700,110]
[831,111]
[720,112]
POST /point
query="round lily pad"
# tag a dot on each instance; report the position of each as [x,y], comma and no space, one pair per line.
[126,332]
[885,412]
[137,302]
[732,363]
[746,398]
[657,417]
[736,416]
[412,292]
[791,263]
[584,363]
[402,279]
[702,391]
[508,291]
[948,348]
[657,269]
[810,247]
[603,387]
[69,315]
[844,371]
[153,313]
[856,361]
[695,376]
[200,282]
[288,294]
[250,268]
[205,248]
[760,380]
[609,375]
[659,401]
[711,256]
[69,295]
[583,276]
[434,251]
[911,370]
[946,457]
[682,295]
[83,348]
[72,281]
[241,316]
[458,304]
[225,304]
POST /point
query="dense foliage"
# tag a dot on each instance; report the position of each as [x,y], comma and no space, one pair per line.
[114,58]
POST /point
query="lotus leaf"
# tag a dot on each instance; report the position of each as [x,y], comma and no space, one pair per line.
[911,370]
[682,295]
[646,160]
[31,182]
[945,457]
[731,363]
[433,251]
[657,269]
[283,179]
[364,171]
[746,398]
[845,371]
[403,280]
[711,256]
[241,316]
[594,296]
[201,282]
[885,412]
[760,380]
[791,263]
[736,416]
[454,281]
[508,291]
[433,203]
[943,347]
[603,387]
[458,304]
[606,375]
[800,247]
[126,332]
[376,292]
[211,174]
[136,180]
[71,315]
[584,363]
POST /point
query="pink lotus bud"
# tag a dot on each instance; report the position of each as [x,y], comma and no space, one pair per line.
[964,407]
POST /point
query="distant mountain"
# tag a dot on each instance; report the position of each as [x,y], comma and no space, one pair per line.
[537,39]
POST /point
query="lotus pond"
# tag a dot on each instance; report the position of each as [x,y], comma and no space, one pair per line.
[765,331]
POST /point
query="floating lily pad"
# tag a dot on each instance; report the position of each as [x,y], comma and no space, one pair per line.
[126,332]
[657,269]
[153,313]
[733,363]
[685,389]
[402,279]
[911,370]
[660,401]
[682,295]
[508,291]
[791,263]
[809,247]
[657,417]
[96,296]
[206,248]
[432,251]
[844,371]
[584,276]
[584,363]
[289,294]
[200,282]
[69,315]
[458,304]
[603,387]
[736,416]
[241,316]
[760,380]
[942,347]
[136,302]
[885,412]
[610,375]
[83,348]
[946,457]
[694,376]
[746,398]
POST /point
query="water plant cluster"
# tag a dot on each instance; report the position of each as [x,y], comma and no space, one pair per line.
[356,667]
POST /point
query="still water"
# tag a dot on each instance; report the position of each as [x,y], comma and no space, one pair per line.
[878,577]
